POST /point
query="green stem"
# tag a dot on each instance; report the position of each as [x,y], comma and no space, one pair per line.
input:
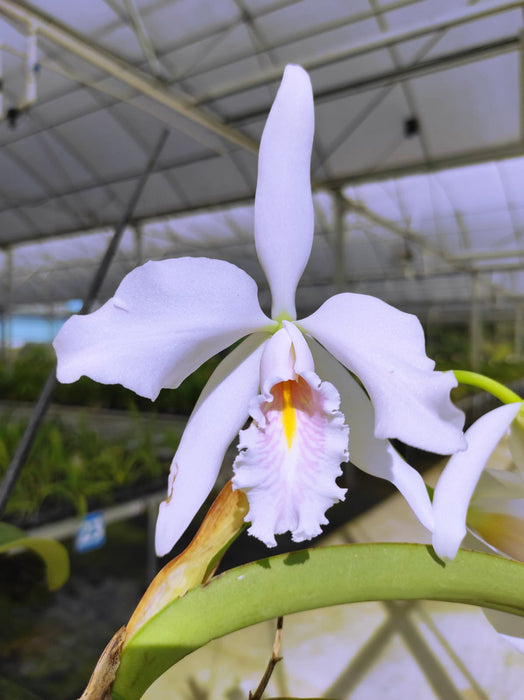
[307,580]
[490,385]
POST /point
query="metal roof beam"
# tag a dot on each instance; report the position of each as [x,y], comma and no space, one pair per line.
[489,255]
[419,239]
[387,40]
[144,39]
[458,160]
[297,34]
[74,42]
[416,69]
[435,165]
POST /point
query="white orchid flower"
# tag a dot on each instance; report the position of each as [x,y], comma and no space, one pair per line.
[166,318]
[487,502]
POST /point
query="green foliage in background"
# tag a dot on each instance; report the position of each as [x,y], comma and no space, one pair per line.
[53,554]
[24,375]
[448,345]
[71,470]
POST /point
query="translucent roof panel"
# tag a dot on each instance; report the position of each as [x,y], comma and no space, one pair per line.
[418,129]
[419,242]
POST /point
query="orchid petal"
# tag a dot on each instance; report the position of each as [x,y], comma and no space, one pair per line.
[459,478]
[165,319]
[217,417]
[373,455]
[384,347]
[291,453]
[284,218]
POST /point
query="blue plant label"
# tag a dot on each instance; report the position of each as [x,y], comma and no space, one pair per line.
[92,532]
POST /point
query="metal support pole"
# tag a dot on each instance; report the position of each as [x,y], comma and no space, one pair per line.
[40,409]
[3,331]
[475,327]
[521,86]
[519,318]
[6,307]
[338,243]
[151,561]
[139,244]
[1,83]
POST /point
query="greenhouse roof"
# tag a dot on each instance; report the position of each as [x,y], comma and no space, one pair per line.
[418,159]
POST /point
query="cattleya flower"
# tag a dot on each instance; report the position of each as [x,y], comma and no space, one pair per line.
[487,502]
[166,318]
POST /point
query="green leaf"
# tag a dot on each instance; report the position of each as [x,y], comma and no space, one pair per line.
[53,553]
[307,580]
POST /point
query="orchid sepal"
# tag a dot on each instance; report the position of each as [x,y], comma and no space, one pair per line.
[284,218]
[165,319]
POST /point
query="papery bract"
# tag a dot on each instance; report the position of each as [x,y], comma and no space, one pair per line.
[166,318]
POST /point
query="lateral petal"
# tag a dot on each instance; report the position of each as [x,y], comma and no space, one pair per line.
[165,319]
[219,414]
[384,347]
[459,478]
[284,218]
[373,455]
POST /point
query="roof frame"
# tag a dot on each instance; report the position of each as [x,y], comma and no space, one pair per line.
[22,13]
[406,233]
[387,40]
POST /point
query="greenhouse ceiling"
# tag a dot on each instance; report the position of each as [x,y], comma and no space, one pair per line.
[418,158]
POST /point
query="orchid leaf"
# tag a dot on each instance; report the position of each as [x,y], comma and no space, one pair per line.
[53,554]
[306,580]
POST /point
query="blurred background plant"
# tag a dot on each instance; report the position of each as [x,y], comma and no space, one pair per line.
[74,469]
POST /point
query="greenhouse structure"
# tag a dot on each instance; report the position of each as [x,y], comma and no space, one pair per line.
[130,132]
